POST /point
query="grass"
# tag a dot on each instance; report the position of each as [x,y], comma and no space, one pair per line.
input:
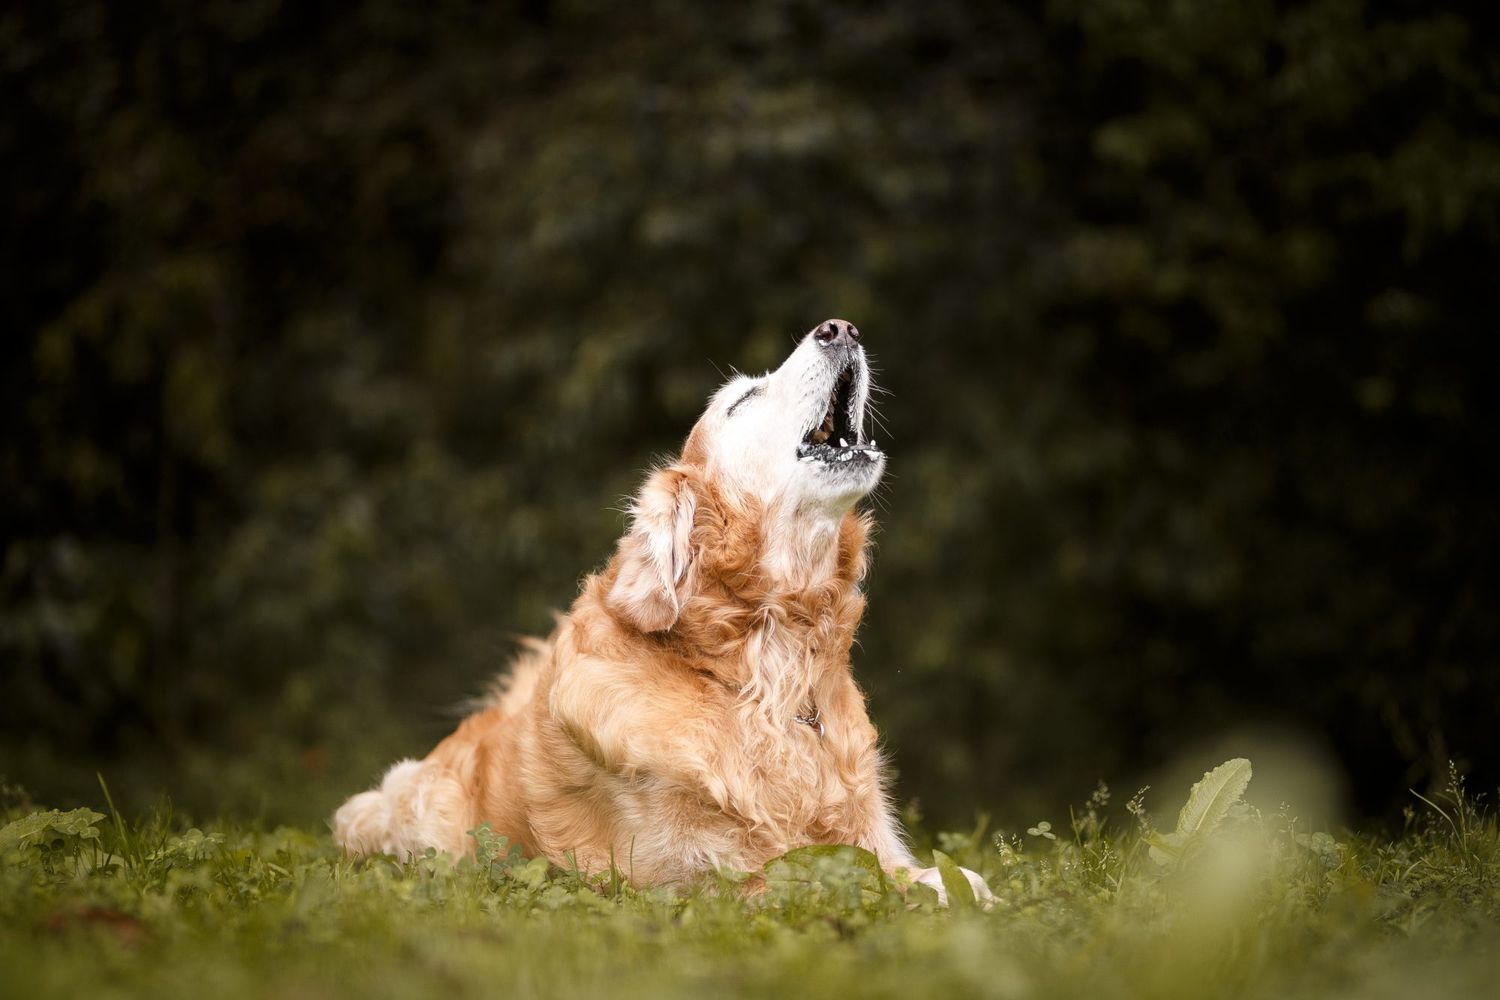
[1243,905]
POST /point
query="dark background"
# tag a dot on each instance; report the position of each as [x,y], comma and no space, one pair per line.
[338,331]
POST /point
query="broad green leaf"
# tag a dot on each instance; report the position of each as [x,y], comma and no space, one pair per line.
[960,892]
[26,829]
[78,823]
[43,826]
[1212,797]
[1208,803]
[1164,847]
[802,863]
[921,893]
[532,874]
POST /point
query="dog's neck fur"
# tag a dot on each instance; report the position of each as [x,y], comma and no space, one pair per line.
[764,594]
[776,602]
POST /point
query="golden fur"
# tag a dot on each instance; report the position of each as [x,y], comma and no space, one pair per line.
[656,729]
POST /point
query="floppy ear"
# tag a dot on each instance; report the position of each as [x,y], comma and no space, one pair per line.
[655,553]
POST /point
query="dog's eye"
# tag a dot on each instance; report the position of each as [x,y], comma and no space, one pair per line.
[736,404]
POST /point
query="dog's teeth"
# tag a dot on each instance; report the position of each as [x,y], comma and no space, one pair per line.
[874,446]
[843,443]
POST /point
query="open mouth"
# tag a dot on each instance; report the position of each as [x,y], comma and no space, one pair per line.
[839,436]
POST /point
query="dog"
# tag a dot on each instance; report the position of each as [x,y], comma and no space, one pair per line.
[695,710]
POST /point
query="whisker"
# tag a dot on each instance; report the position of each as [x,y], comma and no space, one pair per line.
[879,421]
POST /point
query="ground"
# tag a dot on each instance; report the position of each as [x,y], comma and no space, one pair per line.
[1232,903]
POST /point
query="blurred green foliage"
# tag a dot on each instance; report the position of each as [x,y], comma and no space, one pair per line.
[340,330]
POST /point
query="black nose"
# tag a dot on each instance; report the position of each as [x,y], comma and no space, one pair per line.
[836,331]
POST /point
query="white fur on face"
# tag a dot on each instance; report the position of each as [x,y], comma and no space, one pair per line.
[756,432]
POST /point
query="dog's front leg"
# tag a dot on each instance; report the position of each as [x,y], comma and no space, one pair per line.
[887,842]
[933,878]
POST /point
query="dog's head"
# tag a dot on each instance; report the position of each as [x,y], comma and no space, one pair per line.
[795,437]
[772,470]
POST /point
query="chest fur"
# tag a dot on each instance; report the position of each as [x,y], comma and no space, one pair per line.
[793,781]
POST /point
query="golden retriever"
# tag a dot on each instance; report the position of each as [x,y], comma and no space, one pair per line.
[695,709]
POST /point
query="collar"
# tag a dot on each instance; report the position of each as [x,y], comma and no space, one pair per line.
[813,719]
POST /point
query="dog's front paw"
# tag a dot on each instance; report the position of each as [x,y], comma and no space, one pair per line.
[933,879]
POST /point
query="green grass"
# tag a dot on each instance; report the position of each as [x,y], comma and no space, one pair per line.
[94,905]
